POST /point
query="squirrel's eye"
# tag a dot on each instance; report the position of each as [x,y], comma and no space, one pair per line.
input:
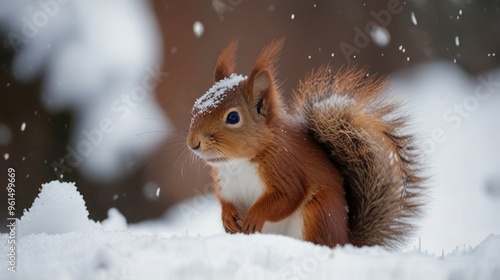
[233,118]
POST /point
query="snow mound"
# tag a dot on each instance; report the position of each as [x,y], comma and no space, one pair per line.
[60,242]
[59,208]
[115,221]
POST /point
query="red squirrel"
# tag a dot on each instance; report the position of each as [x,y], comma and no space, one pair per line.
[334,167]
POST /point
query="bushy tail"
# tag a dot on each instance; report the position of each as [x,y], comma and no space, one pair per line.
[368,141]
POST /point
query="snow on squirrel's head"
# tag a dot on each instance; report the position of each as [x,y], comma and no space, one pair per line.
[233,118]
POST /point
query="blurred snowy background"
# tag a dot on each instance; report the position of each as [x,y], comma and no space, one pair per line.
[100,66]
[99,93]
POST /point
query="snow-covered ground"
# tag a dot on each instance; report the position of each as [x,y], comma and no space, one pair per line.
[56,240]
[457,119]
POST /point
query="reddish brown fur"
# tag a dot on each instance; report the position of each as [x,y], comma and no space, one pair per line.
[298,172]
[226,63]
[297,154]
[383,197]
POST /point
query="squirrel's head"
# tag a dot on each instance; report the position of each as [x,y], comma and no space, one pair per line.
[235,117]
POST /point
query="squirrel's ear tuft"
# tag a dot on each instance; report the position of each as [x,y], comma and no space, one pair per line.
[268,58]
[226,63]
[262,79]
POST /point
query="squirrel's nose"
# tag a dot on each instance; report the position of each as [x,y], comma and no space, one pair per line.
[196,147]
[193,142]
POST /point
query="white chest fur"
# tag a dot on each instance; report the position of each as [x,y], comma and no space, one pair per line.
[240,184]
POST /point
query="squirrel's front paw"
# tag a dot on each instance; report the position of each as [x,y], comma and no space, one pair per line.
[252,223]
[230,221]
